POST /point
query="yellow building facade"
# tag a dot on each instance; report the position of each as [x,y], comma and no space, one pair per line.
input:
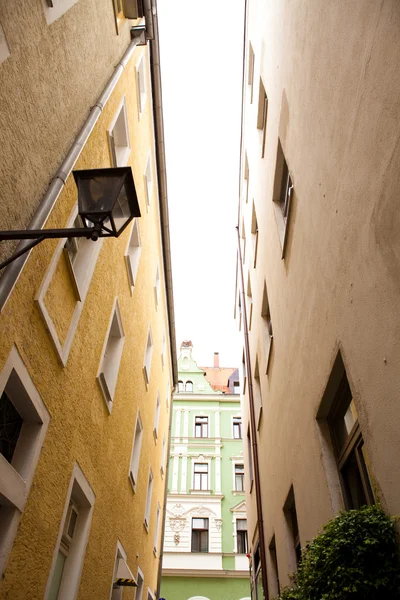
[87,367]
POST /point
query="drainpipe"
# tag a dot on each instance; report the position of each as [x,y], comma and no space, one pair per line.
[13,271]
[253,428]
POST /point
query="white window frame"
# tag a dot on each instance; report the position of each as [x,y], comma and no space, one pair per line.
[132,254]
[157,288]
[147,514]
[140,584]
[148,355]
[16,478]
[157,417]
[208,426]
[111,354]
[120,555]
[4,49]
[157,530]
[63,348]
[241,426]
[52,13]
[136,450]
[148,179]
[197,461]
[235,463]
[81,493]
[119,132]
[141,85]
[150,594]
[250,70]
[164,450]
[282,220]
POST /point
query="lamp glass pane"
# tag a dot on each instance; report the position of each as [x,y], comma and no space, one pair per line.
[97,195]
[121,212]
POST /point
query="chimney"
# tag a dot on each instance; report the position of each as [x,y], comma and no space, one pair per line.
[216,360]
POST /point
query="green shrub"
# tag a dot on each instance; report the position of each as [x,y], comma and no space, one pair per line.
[355,557]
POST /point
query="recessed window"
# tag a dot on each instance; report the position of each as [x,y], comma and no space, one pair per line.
[259,592]
[267,334]
[243,235]
[249,302]
[262,115]
[133,252]
[199,535]
[167,394]
[237,428]
[275,584]
[250,71]
[200,476]
[283,195]
[239,478]
[111,357]
[140,585]
[254,234]
[72,539]
[122,573]
[78,254]
[158,515]
[293,526]
[189,387]
[54,9]
[250,460]
[236,387]
[157,417]
[148,500]
[241,536]
[141,86]
[148,180]
[157,287]
[164,449]
[181,386]
[23,425]
[244,372]
[163,349]
[4,50]
[147,357]
[137,446]
[150,595]
[257,393]
[201,427]
[348,444]
[118,137]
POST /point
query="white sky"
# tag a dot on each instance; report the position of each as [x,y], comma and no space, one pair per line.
[201,67]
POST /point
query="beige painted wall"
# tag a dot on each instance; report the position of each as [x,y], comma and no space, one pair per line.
[331,75]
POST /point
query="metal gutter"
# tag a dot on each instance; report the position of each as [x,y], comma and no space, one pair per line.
[162,182]
[13,271]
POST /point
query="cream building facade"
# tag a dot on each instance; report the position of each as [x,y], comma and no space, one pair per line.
[87,355]
[319,250]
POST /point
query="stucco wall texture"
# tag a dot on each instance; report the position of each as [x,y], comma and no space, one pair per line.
[52,78]
[81,429]
[330,71]
[177,588]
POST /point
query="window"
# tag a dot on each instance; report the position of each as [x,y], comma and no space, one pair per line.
[54,9]
[121,572]
[254,234]
[163,348]
[181,387]
[68,558]
[23,424]
[155,544]
[78,253]
[291,519]
[4,50]
[266,327]
[349,448]
[239,478]
[147,357]
[201,427]
[200,476]
[157,417]
[133,253]
[257,394]
[199,535]
[237,428]
[111,356]
[241,536]
[283,195]
[246,178]
[140,582]
[250,459]
[164,448]
[189,386]
[148,500]
[259,592]
[250,71]
[135,458]
[250,301]
[244,373]
[167,394]
[150,595]
[276,590]
[236,387]
[148,180]
[244,242]
[262,115]
[118,136]
[141,86]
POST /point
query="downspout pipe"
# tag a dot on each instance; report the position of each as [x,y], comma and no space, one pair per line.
[13,271]
[253,428]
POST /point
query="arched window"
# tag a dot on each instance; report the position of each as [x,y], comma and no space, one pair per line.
[189,386]
[181,387]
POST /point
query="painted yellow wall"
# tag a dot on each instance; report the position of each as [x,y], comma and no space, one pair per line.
[81,429]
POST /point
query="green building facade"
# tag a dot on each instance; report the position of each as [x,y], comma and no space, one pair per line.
[205,542]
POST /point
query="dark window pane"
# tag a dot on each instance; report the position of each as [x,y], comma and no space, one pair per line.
[10,427]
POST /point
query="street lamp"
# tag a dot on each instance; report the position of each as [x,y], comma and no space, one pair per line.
[107,203]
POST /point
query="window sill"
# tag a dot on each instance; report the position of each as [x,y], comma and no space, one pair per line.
[132,482]
[238,492]
[203,492]
[282,225]
[108,398]
[146,526]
